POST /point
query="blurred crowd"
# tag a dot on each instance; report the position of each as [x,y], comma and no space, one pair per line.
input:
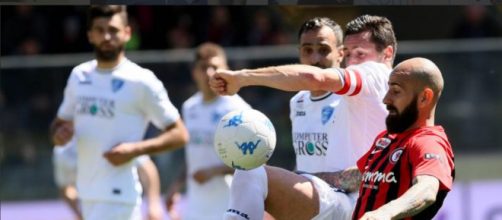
[28,30]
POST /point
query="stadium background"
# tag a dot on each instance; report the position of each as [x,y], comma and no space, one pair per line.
[41,44]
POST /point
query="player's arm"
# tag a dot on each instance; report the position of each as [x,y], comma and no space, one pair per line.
[348,179]
[149,178]
[420,196]
[173,137]
[203,175]
[70,196]
[61,131]
[294,77]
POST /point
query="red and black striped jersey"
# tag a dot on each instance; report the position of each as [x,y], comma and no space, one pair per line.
[389,167]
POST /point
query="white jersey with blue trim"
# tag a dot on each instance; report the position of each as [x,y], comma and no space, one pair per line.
[109,107]
[312,126]
[210,199]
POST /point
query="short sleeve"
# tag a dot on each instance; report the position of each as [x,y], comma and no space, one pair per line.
[156,104]
[431,155]
[67,107]
[141,160]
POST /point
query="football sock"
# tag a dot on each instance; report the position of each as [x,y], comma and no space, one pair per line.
[248,192]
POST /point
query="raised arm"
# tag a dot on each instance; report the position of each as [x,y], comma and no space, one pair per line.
[293,77]
[420,196]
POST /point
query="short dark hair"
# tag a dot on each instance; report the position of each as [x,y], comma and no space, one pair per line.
[382,32]
[208,50]
[319,22]
[108,11]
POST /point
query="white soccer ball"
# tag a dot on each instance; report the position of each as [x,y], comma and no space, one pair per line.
[244,139]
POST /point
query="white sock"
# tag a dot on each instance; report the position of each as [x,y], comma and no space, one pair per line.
[248,192]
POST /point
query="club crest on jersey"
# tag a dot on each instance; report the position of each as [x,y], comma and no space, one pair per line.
[216,117]
[396,154]
[382,143]
[117,84]
[326,113]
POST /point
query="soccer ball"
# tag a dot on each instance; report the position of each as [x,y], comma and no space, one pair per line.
[244,139]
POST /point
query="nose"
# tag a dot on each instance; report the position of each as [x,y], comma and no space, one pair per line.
[108,36]
[386,99]
[315,58]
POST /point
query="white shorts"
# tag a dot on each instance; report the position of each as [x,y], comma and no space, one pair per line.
[333,205]
[97,210]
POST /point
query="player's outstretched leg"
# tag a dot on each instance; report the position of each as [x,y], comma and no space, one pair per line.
[285,195]
[290,196]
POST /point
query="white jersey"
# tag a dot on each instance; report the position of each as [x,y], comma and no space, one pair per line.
[64,159]
[312,125]
[109,107]
[360,115]
[208,200]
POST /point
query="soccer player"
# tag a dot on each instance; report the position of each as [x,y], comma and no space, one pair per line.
[370,46]
[208,179]
[107,105]
[65,170]
[409,170]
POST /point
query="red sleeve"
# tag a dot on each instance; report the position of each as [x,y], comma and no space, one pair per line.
[432,155]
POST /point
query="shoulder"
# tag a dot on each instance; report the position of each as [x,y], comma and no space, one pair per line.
[300,97]
[82,71]
[431,137]
[192,101]
[371,67]
[138,73]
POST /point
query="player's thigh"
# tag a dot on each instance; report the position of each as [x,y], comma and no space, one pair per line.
[290,196]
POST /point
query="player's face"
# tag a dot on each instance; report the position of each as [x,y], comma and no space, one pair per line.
[204,69]
[318,48]
[359,49]
[108,36]
[401,102]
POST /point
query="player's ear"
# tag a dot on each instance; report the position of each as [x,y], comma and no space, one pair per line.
[388,53]
[425,98]
[341,54]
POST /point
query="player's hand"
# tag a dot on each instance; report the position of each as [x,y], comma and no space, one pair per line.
[225,82]
[120,154]
[155,211]
[63,133]
[172,200]
[376,215]
[204,175]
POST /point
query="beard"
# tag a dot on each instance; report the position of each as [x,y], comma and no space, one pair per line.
[402,121]
[107,55]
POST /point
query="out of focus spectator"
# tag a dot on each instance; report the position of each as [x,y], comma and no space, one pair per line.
[262,29]
[477,23]
[180,36]
[219,29]
[25,32]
